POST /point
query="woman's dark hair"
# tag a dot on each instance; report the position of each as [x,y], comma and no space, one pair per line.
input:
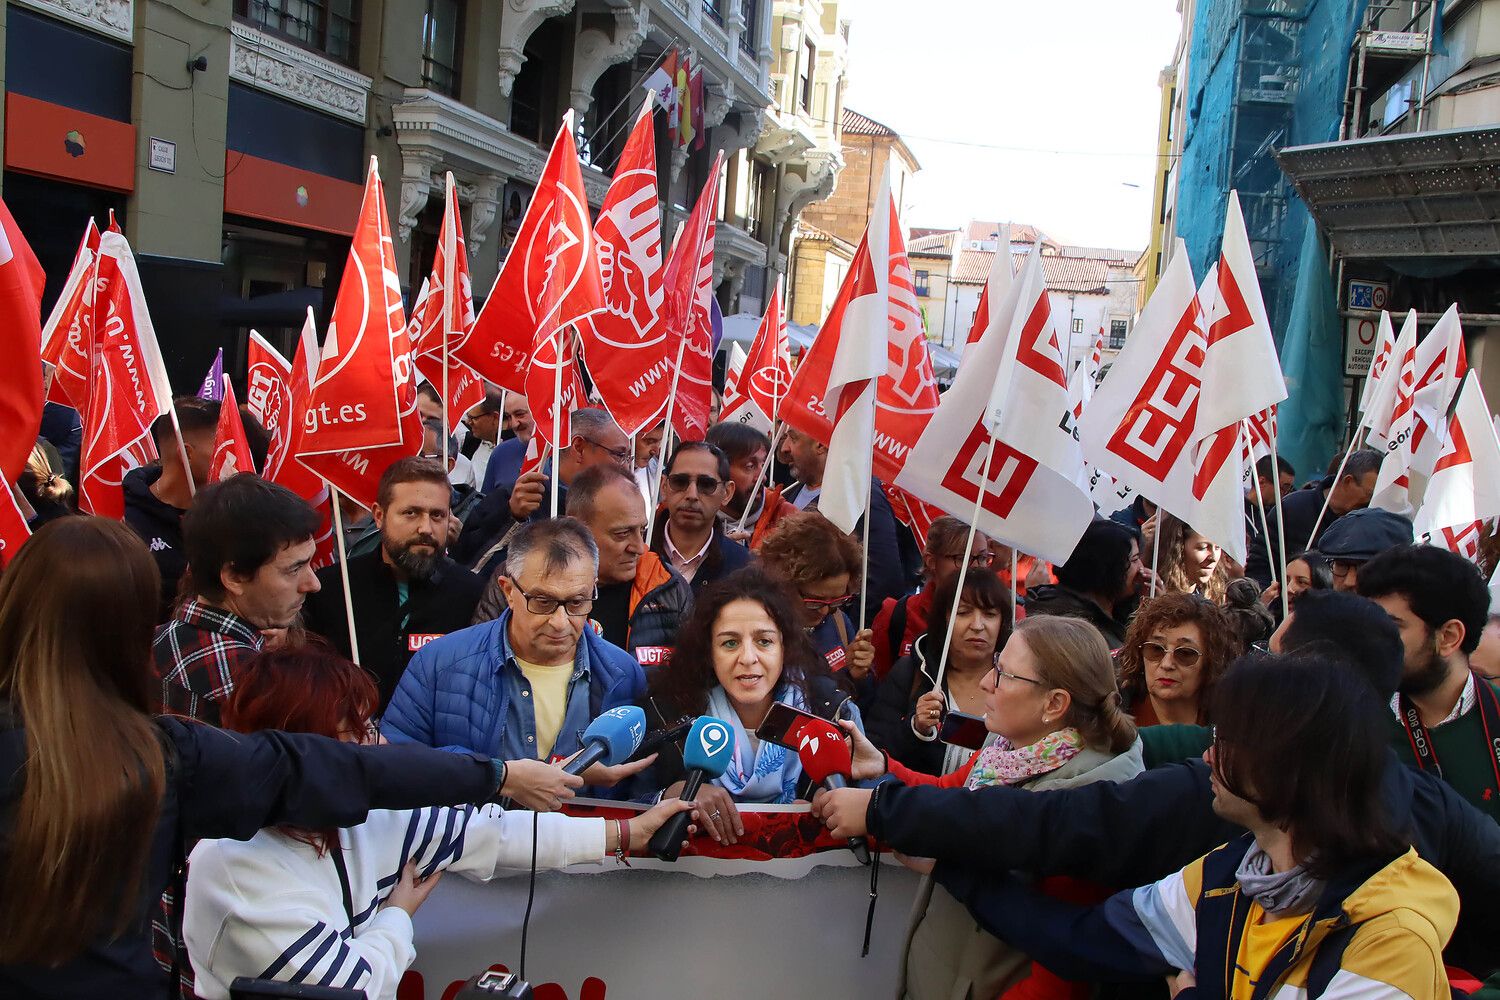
[1220,644]
[306,689]
[807,547]
[241,524]
[1318,570]
[78,606]
[1100,560]
[1252,620]
[983,590]
[1320,776]
[681,686]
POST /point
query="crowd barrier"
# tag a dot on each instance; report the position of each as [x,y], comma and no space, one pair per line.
[782,913]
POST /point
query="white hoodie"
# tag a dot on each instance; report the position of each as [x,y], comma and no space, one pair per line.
[271,908]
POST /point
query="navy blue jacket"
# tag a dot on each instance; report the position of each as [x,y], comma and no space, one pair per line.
[1142,830]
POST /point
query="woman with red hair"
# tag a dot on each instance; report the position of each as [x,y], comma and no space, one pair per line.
[335,906]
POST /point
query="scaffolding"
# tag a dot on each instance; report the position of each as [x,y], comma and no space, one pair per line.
[1395,37]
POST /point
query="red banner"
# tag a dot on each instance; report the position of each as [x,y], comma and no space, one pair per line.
[21,346]
[231,447]
[689,293]
[69,329]
[445,309]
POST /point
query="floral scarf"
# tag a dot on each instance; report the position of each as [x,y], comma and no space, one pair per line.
[1002,764]
[771,775]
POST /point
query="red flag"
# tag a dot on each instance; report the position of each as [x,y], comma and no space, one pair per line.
[446,309]
[361,412]
[21,347]
[231,447]
[689,286]
[34,279]
[549,280]
[68,331]
[625,344]
[554,386]
[128,383]
[913,512]
[695,85]
[906,395]
[767,372]
[276,391]
[13,528]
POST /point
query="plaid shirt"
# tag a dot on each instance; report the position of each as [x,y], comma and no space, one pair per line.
[196,654]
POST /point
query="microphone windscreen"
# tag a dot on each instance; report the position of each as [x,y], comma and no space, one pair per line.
[619,730]
[710,744]
[822,750]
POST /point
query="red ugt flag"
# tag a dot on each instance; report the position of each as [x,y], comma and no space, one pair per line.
[68,332]
[625,343]
[767,372]
[361,412]
[128,383]
[549,280]
[231,447]
[21,346]
[689,292]
[445,310]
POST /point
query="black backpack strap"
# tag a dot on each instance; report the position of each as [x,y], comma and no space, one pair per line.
[897,629]
[1328,959]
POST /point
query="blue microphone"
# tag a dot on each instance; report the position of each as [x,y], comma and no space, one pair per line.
[612,738]
[710,745]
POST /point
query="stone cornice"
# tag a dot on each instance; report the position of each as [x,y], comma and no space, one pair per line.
[268,63]
[115,18]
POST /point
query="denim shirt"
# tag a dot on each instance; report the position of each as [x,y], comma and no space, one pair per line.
[517,737]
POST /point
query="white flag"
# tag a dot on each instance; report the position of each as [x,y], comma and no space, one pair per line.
[1385,346]
[1465,482]
[1419,417]
[861,356]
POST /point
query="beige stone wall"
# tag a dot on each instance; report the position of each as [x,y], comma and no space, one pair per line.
[847,210]
[806,294]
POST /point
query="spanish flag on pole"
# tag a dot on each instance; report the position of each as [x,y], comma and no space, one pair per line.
[662,81]
[682,134]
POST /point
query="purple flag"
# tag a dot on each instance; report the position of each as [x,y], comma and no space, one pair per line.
[213,382]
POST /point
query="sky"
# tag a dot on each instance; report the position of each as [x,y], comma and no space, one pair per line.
[1067,88]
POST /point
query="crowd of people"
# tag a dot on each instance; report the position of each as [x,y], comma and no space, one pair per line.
[1167,780]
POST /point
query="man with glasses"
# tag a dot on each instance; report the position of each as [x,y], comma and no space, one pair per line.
[597,440]
[526,685]
[1358,537]
[901,620]
[1301,509]
[688,536]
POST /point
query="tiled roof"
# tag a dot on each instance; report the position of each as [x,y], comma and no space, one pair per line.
[1020,232]
[936,243]
[1063,274]
[1103,253]
[855,123]
[917,232]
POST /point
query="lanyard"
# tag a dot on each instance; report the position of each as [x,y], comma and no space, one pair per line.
[1421,740]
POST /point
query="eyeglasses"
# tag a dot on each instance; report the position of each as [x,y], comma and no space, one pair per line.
[979,560]
[1185,656]
[621,455]
[1341,567]
[545,604]
[826,604]
[681,481]
[1015,677]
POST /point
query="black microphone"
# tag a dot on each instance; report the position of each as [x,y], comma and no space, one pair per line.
[612,738]
[710,744]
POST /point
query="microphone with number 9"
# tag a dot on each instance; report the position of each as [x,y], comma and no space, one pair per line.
[612,738]
[825,757]
[710,744]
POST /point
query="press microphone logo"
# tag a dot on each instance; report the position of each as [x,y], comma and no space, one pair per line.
[808,741]
[637,727]
[715,738]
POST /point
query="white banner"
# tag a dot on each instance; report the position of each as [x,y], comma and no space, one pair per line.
[703,927]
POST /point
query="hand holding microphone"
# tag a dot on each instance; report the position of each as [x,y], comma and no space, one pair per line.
[710,745]
[825,758]
[609,741]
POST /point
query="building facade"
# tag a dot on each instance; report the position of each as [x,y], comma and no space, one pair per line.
[839,221]
[1089,289]
[931,255]
[232,137]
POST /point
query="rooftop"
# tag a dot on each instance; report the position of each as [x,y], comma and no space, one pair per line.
[855,123]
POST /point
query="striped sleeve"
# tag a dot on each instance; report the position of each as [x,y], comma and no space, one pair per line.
[1164,914]
[235,929]
[495,840]
[1396,956]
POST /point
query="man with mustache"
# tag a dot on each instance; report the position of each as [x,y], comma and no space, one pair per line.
[688,536]
[407,592]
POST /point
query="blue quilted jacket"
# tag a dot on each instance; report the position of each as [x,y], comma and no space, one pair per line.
[465,692]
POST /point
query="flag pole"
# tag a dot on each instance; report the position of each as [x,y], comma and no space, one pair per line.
[1265,530]
[338,537]
[1155,551]
[1353,444]
[666,439]
[963,566]
[1280,527]
[763,479]
[1014,586]
[449,292]
[187,467]
[557,408]
[864,579]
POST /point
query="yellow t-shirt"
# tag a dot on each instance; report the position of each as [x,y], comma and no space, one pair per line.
[1261,940]
[549,700]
